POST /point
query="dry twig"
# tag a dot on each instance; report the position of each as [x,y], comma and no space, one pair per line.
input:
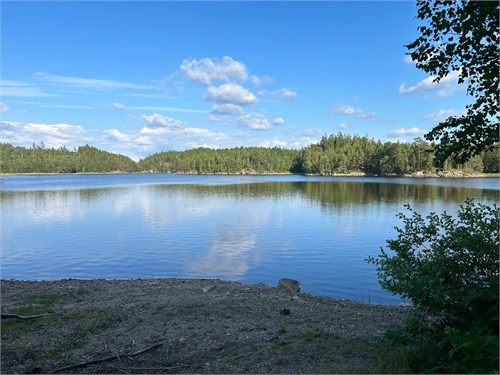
[109,358]
[6,316]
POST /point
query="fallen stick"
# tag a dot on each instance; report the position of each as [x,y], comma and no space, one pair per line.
[111,357]
[27,317]
[124,369]
[154,368]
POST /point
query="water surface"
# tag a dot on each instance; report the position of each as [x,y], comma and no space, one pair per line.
[318,230]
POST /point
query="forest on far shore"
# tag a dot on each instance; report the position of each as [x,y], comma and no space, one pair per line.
[334,154]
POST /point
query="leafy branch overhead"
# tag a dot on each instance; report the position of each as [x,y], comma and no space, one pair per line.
[462,36]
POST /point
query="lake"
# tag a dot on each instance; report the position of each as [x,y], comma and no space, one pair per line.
[255,229]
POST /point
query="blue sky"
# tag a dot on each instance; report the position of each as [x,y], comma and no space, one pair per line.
[142,77]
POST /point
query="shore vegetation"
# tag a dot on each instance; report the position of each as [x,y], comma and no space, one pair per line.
[335,154]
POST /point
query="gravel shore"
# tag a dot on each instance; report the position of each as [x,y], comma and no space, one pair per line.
[186,326]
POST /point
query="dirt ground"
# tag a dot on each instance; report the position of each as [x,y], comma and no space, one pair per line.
[186,326]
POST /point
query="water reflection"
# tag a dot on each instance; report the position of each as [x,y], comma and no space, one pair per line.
[340,192]
[318,231]
[52,205]
[227,257]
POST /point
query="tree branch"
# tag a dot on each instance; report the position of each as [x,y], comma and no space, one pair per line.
[111,357]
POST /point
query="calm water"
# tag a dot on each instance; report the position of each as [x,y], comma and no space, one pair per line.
[243,228]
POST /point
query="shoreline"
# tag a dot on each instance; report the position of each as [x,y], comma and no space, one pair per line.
[189,326]
[417,175]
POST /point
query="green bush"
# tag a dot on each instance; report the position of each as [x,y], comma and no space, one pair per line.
[448,268]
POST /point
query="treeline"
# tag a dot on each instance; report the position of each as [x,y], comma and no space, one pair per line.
[39,159]
[334,154]
[349,154]
[231,160]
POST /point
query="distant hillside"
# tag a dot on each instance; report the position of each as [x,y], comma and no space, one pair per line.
[39,159]
[334,154]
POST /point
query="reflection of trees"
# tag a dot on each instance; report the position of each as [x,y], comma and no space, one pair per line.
[367,192]
[52,204]
[341,192]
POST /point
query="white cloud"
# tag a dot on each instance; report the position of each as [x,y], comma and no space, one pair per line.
[3,108]
[158,120]
[56,130]
[154,131]
[281,93]
[90,82]
[21,89]
[367,116]
[443,114]
[405,132]
[346,110]
[144,140]
[343,126]
[162,131]
[312,135]
[253,120]
[260,81]
[446,86]
[230,93]
[279,121]
[117,135]
[169,109]
[273,143]
[227,109]
[52,135]
[206,70]
[408,60]
[219,120]
[119,106]
[66,106]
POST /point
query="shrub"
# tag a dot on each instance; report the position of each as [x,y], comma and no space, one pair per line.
[448,268]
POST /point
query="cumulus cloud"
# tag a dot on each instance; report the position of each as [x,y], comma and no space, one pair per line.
[253,120]
[443,114]
[230,93]
[52,135]
[55,130]
[161,131]
[119,106]
[157,120]
[279,121]
[343,126]
[280,94]
[219,120]
[260,81]
[206,70]
[273,143]
[227,109]
[116,135]
[144,140]
[312,135]
[405,132]
[3,108]
[347,110]
[367,116]
[446,86]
